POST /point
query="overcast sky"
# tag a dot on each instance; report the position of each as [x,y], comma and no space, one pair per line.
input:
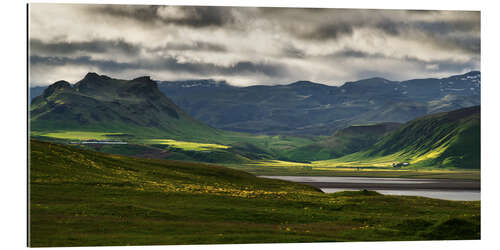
[248,46]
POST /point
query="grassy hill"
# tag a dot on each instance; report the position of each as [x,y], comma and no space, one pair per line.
[87,198]
[444,140]
[343,142]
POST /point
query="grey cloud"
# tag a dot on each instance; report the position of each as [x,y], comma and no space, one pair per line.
[168,64]
[193,16]
[96,46]
[248,37]
[352,53]
[194,46]
[445,65]
[293,52]
[326,31]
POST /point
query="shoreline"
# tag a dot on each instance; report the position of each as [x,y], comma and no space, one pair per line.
[372,183]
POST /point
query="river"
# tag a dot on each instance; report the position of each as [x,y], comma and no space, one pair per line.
[447,189]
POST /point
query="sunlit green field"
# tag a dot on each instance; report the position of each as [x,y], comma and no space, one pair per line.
[184,145]
[77,135]
[350,165]
[87,198]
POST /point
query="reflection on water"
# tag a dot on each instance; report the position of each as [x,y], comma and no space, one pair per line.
[436,194]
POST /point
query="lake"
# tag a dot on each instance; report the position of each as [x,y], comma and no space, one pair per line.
[447,189]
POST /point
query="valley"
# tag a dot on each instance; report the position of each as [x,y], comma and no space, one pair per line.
[170,124]
[121,154]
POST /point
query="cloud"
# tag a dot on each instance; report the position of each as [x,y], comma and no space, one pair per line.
[247,45]
[193,16]
[167,64]
[192,46]
[95,46]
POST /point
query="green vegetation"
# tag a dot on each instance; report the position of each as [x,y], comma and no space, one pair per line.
[193,146]
[87,198]
[346,141]
[137,112]
[444,145]
[446,140]
[78,135]
[357,170]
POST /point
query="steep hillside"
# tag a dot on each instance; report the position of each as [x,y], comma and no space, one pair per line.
[100,103]
[345,141]
[450,140]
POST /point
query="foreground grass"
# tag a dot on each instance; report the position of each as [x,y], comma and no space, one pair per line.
[86,198]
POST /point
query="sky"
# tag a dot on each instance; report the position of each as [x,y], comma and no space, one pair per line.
[248,45]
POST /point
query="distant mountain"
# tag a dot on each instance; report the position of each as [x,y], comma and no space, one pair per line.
[101,103]
[343,142]
[311,108]
[35,92]
[448,139]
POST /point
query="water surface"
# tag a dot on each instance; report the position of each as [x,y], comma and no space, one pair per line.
[447,189]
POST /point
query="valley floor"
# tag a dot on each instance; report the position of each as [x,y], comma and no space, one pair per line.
[283,168]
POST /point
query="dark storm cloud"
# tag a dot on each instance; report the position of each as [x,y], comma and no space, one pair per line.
[293,52]
[327,31]
[352,53]
[458,33]
[169,64]
[96,46]
[250,45]
[107,65]
[193,16]
[194,46]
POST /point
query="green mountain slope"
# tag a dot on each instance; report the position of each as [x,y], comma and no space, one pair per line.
[136,111]
[100,103]
[449,140]
[345,141]
[86,198]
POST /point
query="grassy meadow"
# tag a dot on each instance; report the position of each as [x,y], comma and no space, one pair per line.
[232,155]
[86,198]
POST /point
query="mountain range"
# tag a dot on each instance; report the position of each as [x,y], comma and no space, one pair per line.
[311,108]
[138,109]
[305,107]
